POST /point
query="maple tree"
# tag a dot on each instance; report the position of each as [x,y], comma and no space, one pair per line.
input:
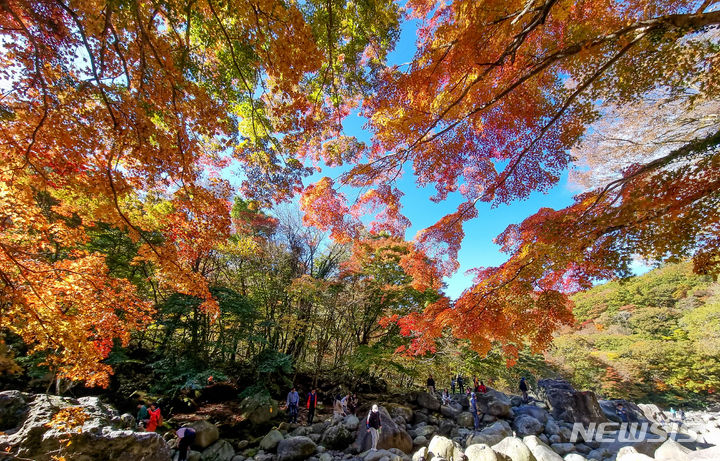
[122,114]
[495,105]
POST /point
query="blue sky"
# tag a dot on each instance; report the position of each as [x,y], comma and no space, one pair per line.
[478,249]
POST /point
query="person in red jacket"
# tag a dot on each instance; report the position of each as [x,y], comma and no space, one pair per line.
[311,405]
[481,387]
[155,418]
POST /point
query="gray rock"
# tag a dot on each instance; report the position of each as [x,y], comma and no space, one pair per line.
[490,435]
[420,454]
[582,448]
[465,419]
[493,403]
[237,458]
[480,452]
[565,403]
[426,430]
[218,451]
[670,450]
[337,437]
[630,454]
[295,449]
[271,440]
[516,400]
[514,449]
[552,428]
[574,457]
[426,400]
[206,433]
[635,413]
[13,409]
[351,422]
[258,409]
[541,451]
[400,410]
[525,425]
[449,411]
[598,453]
[420,441]
[562,448]
[197,456]
[555,439]
[531,410]
[441,446]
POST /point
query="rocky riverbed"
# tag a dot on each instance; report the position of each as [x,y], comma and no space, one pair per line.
[560,424]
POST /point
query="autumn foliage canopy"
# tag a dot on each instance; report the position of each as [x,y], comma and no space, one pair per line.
[124,114]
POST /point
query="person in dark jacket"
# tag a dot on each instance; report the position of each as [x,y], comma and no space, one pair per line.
[186,436]
[143,415]
[373,424]
[460,383]
[523,388]
[311,405]
[474,410]
[621,412]
[430,384]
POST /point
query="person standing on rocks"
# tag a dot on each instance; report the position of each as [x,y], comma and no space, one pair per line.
[524,389]
[482,388]
[311,405]
[452,384]
[621,413]
[373,424]
[431,384]
[155,419]
[474,411]
[353,403]
[143,415]
[292,401]
[460,382]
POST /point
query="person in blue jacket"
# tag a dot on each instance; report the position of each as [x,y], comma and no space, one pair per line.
[292,402]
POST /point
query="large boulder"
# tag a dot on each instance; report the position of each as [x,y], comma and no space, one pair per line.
[271,440]
[650,411]
[218,451]
[96,438]
[567,404]
[206,433]
[527,425]
[337,437]
[429,401]
[536,412]
[670,450]
[450,411]
[541,451]
[465,419]
[634,412]
[493,403]
[258,409]
[391,436]
[514,449]
[480,452]
[395,410]
[491,435]
[442,447]
[295,449]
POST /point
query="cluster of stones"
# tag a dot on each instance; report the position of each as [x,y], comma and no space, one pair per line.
[415,427]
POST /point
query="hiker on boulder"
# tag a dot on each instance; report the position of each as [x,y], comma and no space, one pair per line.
[523,388]
[445,396]
[481,387]
[373,424]
[155,419]
[430,385]
[452,384]
[474,411]
[186,437]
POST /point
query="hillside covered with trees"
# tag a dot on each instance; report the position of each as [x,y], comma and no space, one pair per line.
[655,337]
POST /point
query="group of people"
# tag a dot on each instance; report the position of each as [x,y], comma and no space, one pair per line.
[478,387]
[343,405]
[150,418]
